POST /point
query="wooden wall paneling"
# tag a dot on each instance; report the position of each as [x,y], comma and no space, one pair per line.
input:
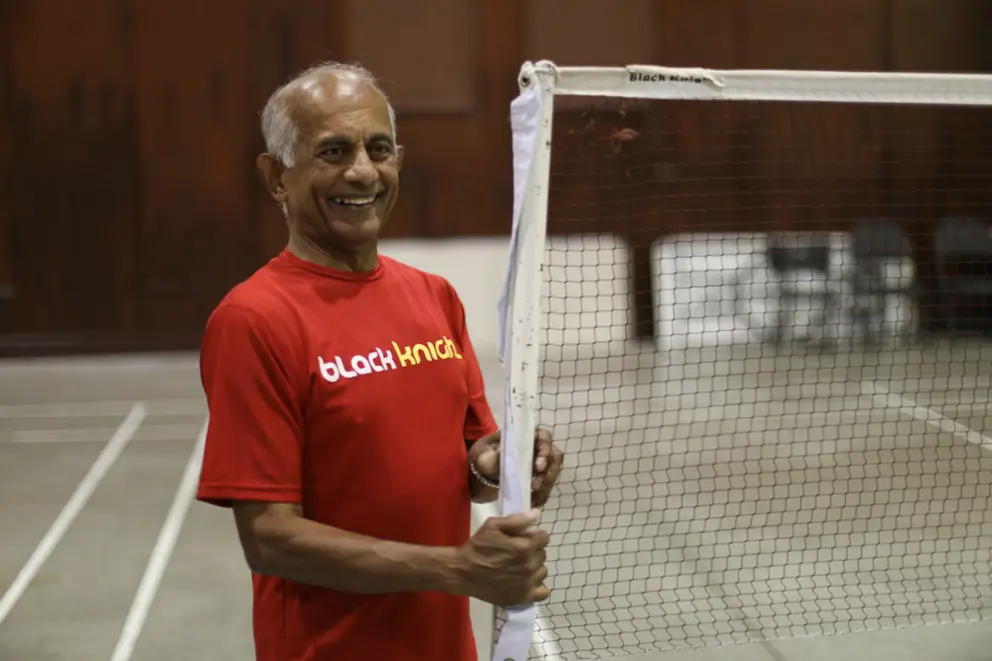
[939,157]
[845,35]
[424,53]
[940,35]
[501,54]
[283,39]
[699,33]
[7,166]
[813,162]
[72,189]
[191,87]
[7,286]
[133,204]
[926,36]
[589,32]
[430,72]
[443,177]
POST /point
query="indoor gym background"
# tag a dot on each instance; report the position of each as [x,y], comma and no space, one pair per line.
[151,238]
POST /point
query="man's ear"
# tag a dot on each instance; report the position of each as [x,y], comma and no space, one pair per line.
[399,156]
[270,170]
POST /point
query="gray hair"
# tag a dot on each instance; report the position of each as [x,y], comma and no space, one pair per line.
[278,128]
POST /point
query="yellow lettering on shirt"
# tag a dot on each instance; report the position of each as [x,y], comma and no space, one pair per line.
[420,350]
[454,349]
[405,355]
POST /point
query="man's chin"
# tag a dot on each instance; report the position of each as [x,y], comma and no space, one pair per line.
[357,231]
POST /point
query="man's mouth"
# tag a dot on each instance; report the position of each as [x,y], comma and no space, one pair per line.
[355,201]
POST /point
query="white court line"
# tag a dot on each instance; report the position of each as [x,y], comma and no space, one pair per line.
[925,414]
[147,433]
[77,501]
[189,406]
[162,552]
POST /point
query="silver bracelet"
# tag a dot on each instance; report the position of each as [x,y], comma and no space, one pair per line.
[482,480]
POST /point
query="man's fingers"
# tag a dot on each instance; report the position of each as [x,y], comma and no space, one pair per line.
[557,459]
[543,449]
[516,524]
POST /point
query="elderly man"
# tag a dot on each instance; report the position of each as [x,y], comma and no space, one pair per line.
[349,429]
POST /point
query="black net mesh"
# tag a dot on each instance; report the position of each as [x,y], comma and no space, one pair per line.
[766,351]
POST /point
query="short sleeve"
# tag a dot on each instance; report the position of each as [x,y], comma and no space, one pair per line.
[254,441]
[479,419]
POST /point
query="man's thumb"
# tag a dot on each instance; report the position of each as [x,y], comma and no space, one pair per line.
[488,462]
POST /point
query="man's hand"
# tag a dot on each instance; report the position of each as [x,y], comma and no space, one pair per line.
[503,562]
[548,459]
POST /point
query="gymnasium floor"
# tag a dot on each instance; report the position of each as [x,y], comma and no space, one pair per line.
[133,574]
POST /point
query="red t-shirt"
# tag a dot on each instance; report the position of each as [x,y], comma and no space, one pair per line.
[353,395]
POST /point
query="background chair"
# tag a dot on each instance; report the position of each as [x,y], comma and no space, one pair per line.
[801,262]
[884,271]
[963,260]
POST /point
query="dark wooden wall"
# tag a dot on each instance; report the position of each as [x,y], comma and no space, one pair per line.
[128,130]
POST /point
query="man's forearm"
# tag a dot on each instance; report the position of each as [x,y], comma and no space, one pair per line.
[308,552]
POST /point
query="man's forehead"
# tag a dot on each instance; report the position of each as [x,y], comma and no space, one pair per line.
[329,99]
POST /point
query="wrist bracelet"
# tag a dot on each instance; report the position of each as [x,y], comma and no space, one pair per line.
[482,480]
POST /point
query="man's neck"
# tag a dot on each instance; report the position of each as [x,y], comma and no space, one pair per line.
[362,261]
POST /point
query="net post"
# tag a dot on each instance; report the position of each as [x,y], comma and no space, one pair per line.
[531,116]
[527,269]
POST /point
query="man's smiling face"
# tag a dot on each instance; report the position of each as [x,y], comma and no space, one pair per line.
[345,176]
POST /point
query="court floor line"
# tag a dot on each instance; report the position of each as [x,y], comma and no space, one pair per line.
[108,456]
[98,409]
[161,553]
[925,414]
[148,433]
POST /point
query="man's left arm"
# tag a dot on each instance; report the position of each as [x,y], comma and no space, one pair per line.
[482,434]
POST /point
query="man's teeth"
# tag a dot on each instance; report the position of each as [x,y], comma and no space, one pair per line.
[353,201]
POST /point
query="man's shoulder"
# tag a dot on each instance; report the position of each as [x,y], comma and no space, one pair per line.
[259,300]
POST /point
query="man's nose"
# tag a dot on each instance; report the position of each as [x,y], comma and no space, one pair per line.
[362,170]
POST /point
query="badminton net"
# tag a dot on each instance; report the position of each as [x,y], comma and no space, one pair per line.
[748,305]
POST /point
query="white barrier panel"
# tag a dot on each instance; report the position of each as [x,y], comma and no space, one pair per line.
[474,267]
[718,289]
[585,294]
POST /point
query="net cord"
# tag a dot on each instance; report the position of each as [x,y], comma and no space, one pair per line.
[670,83]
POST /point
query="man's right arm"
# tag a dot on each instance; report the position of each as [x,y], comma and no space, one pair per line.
[278,541]
[503,563]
